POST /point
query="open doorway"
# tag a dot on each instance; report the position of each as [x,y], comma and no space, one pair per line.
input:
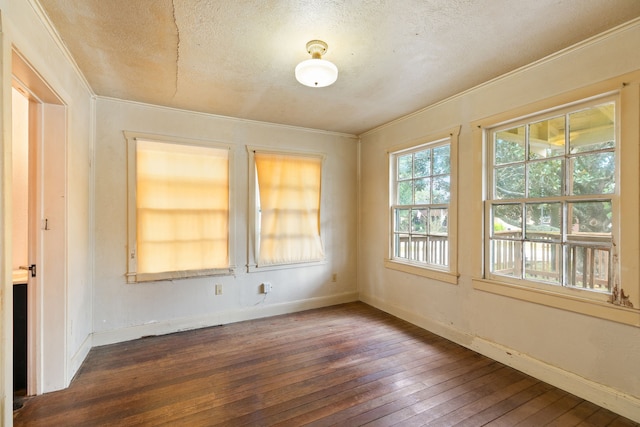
[20,244]
[39,233]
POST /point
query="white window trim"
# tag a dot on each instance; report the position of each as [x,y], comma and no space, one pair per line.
[449,274]
[627,232]
[132,261]
[252,247]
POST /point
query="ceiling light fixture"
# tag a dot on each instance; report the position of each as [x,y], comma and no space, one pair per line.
[316,72]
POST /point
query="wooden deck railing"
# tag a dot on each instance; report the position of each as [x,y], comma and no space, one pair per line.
[587,267]
[428,249]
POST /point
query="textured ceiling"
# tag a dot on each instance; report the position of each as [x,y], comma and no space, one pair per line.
[236,57]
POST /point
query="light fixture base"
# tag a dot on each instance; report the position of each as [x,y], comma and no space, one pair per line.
[317,48]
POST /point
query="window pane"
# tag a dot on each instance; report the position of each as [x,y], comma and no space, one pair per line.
[438,251]
[405,193]
[509,182]
[590,217]
[419,248]
[402,220]
[592,129]
[420,230]
[438,222]
[441,160]
[404,166]
[401,245]
[545,178]
[593,174]
[589,267]
[441,189]
[509,146]
[557,195]
[506,257]
[422,191]
[544,221]
[543,261]
[419,221]
[546,138]
[507,221]
[422,163]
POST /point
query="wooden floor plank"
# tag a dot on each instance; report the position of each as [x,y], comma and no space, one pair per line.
[347,365]
[485,401]
[576,415]
[447,404]
[366,410]
[501,407]
[552,411]
[436,386]
[601,417]
[522,412]
[406,376]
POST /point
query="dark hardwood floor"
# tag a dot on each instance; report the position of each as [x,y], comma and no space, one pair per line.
[347,365]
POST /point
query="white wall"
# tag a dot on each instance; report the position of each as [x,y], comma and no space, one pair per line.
[595,358]
[126,311]
[23,29]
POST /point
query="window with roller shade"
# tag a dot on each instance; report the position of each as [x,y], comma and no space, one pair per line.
[287,208]
[179,210]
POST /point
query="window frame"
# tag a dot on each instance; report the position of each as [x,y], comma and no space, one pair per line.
[448,274]
[627,88]
[253,217]
[132,274]
[566,238]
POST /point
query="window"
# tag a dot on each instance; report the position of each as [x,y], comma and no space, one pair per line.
[178,209]
[422,206]
[287,208]
[561,196]
[552,199]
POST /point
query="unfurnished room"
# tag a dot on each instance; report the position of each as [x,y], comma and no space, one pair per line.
[347,213]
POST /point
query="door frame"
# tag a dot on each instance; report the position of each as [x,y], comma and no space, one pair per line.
[47,292]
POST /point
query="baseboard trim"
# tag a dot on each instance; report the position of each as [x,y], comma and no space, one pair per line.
[607,397]
[218,318]
[78,358]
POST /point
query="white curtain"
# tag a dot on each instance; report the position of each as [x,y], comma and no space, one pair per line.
[182,207]
[289,188]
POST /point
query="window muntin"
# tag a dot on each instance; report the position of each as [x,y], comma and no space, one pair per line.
[179,222]
[288,199]
[552,184]
[421,186]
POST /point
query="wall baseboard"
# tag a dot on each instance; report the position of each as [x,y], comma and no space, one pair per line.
[78,358]
[607,397]
[218,318]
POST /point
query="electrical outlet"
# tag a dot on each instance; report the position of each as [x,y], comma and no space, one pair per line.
[334,277]
[267,287]
[218,289]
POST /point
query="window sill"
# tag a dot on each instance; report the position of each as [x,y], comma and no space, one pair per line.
[443,276]
[253,268]
[176,275]
[576,304]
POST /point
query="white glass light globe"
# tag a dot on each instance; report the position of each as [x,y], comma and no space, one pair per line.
[316,73]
